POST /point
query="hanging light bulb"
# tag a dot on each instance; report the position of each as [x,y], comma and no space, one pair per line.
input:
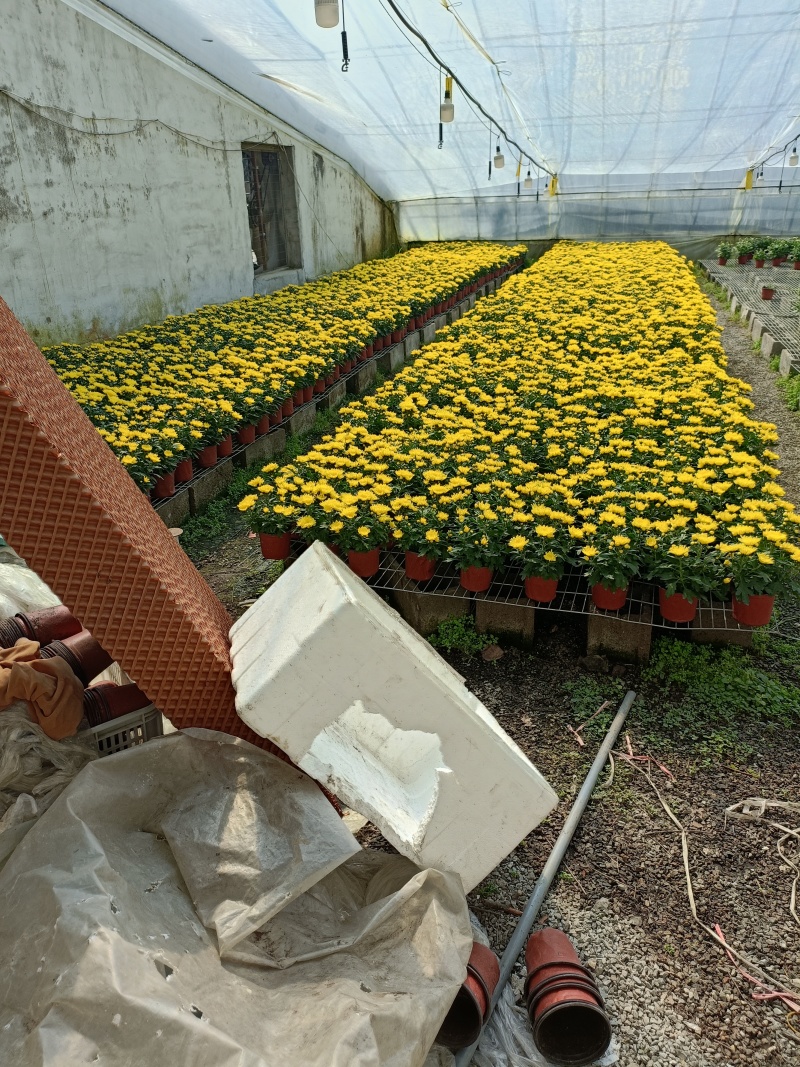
[794,158]
[528,183]
[499,159]
[327,13]
[447,111]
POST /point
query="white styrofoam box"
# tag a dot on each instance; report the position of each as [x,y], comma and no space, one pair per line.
[334,677]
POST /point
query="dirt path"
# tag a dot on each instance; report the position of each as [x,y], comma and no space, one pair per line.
[770,406]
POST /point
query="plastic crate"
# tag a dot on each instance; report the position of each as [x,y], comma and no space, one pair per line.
[128,730]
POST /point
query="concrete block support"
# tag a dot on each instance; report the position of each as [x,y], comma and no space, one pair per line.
[453,315]
[302,420]
[703,630]
[412,343]
[424,611]
[263,448]
[769,346]
[756,328]
[210,484]
[788,363]
[173,511]
[734,305]
[363,377]
[513,622]
[620,639]
[440,321]
[324,667]
[428,332]
[334,397]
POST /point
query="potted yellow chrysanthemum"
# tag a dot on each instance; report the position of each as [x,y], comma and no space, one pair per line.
[417,532]
[685,569]
[610,565]
[543,557]
[362,537]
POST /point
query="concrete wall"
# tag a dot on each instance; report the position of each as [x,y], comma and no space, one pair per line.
[109,217]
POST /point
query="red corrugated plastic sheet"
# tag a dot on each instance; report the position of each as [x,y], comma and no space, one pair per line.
[69,508]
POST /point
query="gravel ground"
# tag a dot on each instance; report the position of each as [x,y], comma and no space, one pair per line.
[770,406]
[673,997]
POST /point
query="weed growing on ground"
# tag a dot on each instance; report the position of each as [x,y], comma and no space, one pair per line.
[790,387]
[458,634]
[775,363]
[709,287]
[716,702]
[756,345]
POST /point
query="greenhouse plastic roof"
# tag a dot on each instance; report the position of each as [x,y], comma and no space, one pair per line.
[664,95]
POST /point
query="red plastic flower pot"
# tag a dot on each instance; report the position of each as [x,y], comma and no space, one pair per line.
[377,344]
[370,350]
[287,408]
[275,416]
[767,293]
[362,356]
[542,590]
[319,386]
[246,434]
[439,308]
[564,1004]
[207,456]
[797,264]
[475,579]
[468,1012]
[184,471]
[777,261]
[337,373]
[49,624]
[742,260]
[276,546]
[329,380]
[297,397]
[419,568]
[759,263]
[722,260]
[107,701]
[676,608]
[85,655]
[756,612]
[262,426]
[609,599]
[398,335]
[308,394]
[364,564]
[225,446]
[165,486]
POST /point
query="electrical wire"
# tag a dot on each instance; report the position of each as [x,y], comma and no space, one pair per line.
[39,110]
[438,59]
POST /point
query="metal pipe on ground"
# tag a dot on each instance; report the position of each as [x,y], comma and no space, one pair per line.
[550,869]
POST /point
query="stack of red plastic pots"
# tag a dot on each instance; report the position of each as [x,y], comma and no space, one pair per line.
[563,1001]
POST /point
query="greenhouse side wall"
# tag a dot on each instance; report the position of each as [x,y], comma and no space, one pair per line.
[128,220]
[691,220]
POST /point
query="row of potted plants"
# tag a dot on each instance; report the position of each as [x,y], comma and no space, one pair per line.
[759,250]
[163,393]
[583,419]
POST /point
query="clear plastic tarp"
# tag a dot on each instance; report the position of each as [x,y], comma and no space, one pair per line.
[637,107]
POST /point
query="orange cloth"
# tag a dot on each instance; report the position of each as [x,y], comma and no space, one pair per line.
[53,693]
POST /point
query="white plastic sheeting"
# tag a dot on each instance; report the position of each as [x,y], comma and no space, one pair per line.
[611,97]
[128,910]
